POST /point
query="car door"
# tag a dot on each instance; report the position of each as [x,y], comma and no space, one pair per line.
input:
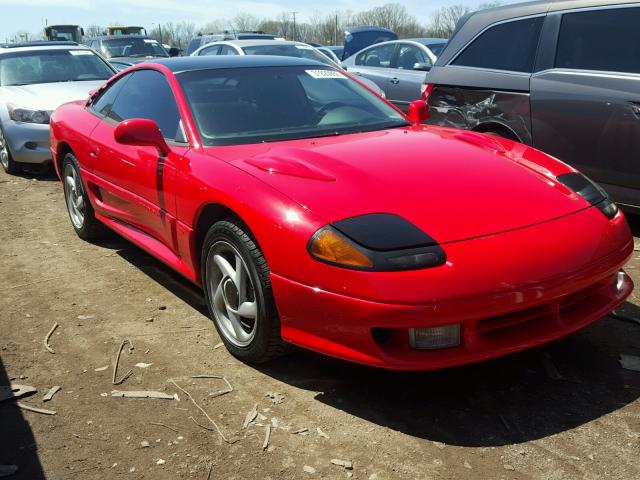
[405,85]
[586,108]
[375,63]
[227,50]
[135,185]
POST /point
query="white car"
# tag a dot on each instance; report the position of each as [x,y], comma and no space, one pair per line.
[35,79]
[282,48]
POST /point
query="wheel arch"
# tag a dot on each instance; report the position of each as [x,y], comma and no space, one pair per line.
[209,214]
[63,149]
[503,129]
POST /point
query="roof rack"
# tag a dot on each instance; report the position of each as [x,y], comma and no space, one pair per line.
[37,43]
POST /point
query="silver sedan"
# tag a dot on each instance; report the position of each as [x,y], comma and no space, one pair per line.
[35,79]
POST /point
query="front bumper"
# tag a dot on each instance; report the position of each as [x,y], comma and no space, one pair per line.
[530,286]
[28,142]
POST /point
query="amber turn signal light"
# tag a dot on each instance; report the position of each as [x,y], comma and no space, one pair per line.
[329,246]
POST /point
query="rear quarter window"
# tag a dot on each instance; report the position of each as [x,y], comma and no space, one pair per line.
[602,40]
[508,46]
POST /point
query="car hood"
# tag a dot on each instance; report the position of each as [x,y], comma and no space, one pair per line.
[452,184]
[48,96]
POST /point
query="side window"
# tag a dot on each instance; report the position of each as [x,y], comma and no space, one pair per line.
[227,50]
[379,56]
[604,40]
[209,51]
[103,103]
[409,55]
[509,46]
[147,95]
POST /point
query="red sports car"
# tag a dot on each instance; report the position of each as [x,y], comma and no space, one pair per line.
[312,212]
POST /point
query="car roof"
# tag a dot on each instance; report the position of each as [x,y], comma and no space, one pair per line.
[184,64]
[364,28]
[427,41]
[257,42]
[116,37]
[475,22]
[34,46]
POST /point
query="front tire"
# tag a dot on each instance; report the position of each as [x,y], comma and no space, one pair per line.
[237,289]
[8,164]
[79,207]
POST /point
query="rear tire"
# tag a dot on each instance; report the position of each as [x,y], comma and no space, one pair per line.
[79,207]
[237,288]
[8,164]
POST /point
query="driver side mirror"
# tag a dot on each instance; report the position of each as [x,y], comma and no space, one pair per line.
[418,112]
[174,52]
[141,132]
[422,66]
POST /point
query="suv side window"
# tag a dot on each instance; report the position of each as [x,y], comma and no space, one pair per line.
[508,46]
[603,40]
[103,103]
[147,95]
[379,56]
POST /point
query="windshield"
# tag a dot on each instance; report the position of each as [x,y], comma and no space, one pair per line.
[299,51]
[50,66]
[132,47]
[253,105]
[62,33]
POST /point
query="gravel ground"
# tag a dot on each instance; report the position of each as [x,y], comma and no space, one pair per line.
[567,410]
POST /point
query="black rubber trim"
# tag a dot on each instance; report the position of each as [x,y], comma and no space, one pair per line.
[415,258]
[383,232]
[590,191]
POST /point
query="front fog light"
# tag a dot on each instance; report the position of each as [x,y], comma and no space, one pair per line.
[435,337]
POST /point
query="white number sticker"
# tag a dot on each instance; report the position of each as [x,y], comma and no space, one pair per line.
[80,52]
[325,74]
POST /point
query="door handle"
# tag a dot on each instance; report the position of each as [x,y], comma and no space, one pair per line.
[395,80]
[94,153]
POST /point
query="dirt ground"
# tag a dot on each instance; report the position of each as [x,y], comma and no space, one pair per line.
[567,410]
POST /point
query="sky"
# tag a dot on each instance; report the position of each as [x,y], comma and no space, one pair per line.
[30,15]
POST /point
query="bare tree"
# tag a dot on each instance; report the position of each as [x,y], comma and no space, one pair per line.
[245,22]
[93,31]
[444,20]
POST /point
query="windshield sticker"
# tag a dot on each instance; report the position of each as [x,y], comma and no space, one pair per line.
[146,40]
[80,52]
[303,47]
[325,74]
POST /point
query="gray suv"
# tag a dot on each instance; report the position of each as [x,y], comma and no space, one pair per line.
[563,76]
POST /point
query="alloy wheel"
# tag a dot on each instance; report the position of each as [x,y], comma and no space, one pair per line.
[232,294]
[74,196]
[4,151]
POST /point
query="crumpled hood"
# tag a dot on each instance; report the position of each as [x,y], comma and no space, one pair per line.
[452,184]
[48,96]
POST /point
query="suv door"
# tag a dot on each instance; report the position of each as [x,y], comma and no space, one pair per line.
[405,84]
[137,186]
[485,85]
[586,108]
[376,64]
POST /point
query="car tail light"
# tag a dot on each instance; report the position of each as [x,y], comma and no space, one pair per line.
[426,89]
[435,337]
